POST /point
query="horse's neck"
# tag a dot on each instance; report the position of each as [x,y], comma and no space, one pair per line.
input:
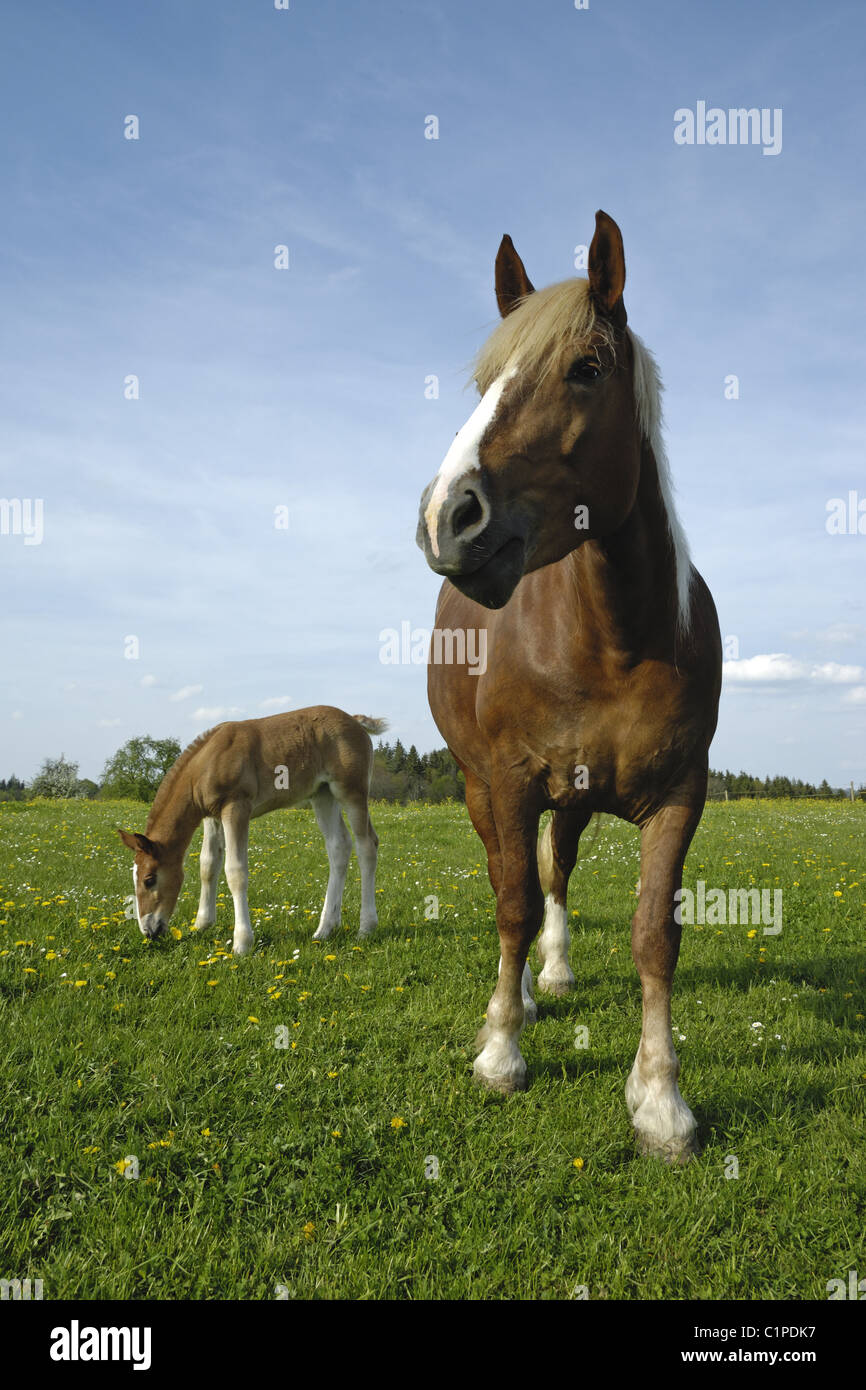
[173,821]
[628,580]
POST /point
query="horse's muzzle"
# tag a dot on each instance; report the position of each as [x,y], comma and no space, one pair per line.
[482,554]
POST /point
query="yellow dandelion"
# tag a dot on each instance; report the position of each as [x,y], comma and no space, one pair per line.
[578,1163]
[309,1230]
[398,1123]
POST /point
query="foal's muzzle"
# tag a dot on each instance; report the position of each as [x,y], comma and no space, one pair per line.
[152,927]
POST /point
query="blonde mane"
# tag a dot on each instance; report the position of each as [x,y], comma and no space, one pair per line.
[562,317]
[166,786]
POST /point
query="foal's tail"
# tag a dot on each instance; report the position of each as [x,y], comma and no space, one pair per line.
[373,726]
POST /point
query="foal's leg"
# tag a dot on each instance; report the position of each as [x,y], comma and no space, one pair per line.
[664,1125]
[213,853]
[519,905]
[481,815]
[557,855]
[236,824]
[367,850]
[338,843]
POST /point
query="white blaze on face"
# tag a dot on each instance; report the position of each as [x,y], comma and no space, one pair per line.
[462,457]
[135,892]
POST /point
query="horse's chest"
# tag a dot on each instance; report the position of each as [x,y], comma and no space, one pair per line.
[611,748]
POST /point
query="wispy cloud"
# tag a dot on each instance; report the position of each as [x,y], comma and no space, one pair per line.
[185,692]
[778,667]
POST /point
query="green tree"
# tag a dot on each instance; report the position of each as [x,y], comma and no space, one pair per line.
[137,768]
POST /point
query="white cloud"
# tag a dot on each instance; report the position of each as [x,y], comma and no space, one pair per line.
[855,696]
[185,692]
[148,680]
[842,633]
[211,714]
[276,702]
[773,667]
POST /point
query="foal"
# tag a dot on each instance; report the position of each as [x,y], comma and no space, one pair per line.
[552,520]
[241,770]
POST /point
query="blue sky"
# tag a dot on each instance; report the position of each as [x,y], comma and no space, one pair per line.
[305,388]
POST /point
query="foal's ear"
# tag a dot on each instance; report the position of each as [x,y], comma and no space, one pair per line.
[512,281]
[606,268]
[135,842]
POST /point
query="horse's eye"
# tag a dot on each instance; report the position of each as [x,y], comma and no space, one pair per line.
[150,881]
[585,369]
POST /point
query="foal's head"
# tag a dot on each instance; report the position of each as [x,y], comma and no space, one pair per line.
[157,877]
[551,455]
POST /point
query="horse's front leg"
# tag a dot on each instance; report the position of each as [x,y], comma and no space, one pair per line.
[213,850]
[236,824]
[664,1125]
[519,907]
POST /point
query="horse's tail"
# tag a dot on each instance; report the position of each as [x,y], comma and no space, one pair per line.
[373,726]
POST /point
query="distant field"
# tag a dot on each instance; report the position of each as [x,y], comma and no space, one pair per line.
[309,1169]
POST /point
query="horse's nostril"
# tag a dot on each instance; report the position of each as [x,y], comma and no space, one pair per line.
[468,513]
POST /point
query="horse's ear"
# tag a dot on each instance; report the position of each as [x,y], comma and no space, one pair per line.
[512,281]
[606,268]
[135,842]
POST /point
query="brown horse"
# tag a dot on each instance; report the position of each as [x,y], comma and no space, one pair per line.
[241,770]
[552,518]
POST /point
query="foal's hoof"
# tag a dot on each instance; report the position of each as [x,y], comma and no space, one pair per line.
[675,1152]
[242,947]
[366,929]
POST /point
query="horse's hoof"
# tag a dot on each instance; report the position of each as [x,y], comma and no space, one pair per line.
[242,947]
[676,1152]
[502,1085]
[558,986]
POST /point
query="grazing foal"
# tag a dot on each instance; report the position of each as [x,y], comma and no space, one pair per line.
[241,770]
[552,520]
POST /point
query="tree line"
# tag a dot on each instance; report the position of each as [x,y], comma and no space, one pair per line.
[135,771]
[399,775]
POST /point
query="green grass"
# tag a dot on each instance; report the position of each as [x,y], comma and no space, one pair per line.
[304,1166]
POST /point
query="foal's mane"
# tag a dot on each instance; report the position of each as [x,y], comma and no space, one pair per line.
[562,317]
[166,786]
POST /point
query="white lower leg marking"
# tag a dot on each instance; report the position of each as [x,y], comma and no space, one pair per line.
[210,867]
[367,850]
[237,874]
[556,975]
[500,1063]
[663,1123]
[339,846]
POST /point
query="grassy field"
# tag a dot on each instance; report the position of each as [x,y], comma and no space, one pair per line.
[176,1124]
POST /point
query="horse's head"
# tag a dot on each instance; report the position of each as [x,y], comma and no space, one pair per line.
[157,877]
[550,457]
